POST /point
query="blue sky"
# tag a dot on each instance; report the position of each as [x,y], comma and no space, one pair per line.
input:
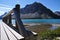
[6,5]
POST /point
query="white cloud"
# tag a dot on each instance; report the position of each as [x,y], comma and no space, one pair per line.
[3,5]
[1,12]
[4,8]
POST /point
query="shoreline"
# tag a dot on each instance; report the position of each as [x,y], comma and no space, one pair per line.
[40,23]
[33,24]
[56,24]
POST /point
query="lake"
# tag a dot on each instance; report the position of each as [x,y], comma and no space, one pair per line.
[30,21]
[51,21]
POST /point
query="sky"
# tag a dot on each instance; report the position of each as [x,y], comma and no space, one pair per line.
[6,5]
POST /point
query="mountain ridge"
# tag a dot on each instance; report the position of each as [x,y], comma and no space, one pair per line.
[37,10]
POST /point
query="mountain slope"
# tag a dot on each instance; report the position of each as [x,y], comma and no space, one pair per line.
[40,9]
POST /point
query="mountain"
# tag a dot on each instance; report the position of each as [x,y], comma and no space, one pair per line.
[3,15]
[37,10]
[57,12]
[0,17]
[35,7]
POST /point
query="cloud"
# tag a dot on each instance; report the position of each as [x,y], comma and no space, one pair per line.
[3,5]
[4,8]
[1,13]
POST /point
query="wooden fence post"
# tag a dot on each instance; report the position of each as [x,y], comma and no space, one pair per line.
[21,28]
[5,19]
[9,20]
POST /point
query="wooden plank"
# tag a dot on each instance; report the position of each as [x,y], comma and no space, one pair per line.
[10,35]
[18,36]
[3,34]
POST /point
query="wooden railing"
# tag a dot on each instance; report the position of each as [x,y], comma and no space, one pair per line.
[7,19]
[8,33]
[19,25]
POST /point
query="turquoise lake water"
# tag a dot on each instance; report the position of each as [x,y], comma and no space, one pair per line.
[51,21]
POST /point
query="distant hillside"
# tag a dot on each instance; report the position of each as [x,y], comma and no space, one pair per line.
[3,15]
[57,13]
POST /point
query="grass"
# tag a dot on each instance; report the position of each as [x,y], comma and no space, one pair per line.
[50,34]
[44,32]
[40,29]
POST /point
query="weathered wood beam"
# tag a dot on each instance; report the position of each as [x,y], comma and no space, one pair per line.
[9,20]
[10,12]
[21,28]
